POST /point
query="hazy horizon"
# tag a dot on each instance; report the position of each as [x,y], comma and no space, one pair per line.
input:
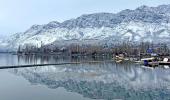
[19,15]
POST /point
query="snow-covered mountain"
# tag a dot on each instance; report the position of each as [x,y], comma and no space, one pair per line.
[142,24]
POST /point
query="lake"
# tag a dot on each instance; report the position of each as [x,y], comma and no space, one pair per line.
[87,81]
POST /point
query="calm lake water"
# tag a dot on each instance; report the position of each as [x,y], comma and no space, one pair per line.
[88,81]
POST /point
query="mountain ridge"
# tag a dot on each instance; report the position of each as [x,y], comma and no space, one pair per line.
[142,24]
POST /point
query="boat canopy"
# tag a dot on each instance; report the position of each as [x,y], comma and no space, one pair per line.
[148,59]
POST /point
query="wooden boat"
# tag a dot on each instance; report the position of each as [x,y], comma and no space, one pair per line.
[153,62]
[148,61]
[166,61]
[119,57]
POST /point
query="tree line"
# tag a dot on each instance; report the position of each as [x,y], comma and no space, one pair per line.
[126,48]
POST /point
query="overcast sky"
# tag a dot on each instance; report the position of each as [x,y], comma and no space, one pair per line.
[19,15]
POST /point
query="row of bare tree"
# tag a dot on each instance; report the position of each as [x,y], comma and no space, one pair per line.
[124,48]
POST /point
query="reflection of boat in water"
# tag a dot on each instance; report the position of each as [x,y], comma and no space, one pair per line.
[147,67]
[166,66]
[119,61]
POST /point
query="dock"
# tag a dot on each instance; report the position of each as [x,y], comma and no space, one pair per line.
[158,63]
[164,63]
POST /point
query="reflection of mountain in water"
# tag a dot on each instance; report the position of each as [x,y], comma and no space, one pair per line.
[103,81]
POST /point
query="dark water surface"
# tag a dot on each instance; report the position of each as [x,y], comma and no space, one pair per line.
[86,81]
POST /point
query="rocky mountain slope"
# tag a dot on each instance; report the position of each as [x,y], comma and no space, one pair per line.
[142,24]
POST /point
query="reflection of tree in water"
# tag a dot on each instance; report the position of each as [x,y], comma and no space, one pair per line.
[103,81]
[41,59]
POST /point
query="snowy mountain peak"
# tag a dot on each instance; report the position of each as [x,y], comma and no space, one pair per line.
[51,25]
[35,27]
[143,7]
[166,7]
